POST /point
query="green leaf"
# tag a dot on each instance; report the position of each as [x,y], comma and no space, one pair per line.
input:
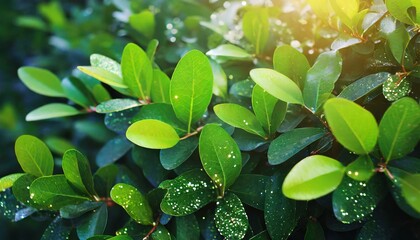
[75,211]
[94,223]
[52,110]
[77,92]
[395,88]
[21,190]
[363,86]
[220,84]
[256,28]
[152,134]
[239,117]
[172,158]
[361,169]
[250,189]
[277,85]
[143,22]
[137,71]
[116,105]
[77,171]
[113,150]
[292,142]
[134,203]
[399,129]
[352,125]
[321,78]
[151,49]
[398,41]
[34,156]
[354,200]
[160,87]
[59,229]
[314,231]
[313,177]
[399,10]
[280,213]
[231,219]
[187,227]
[292,63]
[161,233]
[229,52]
[269,111]
[242,88]
[187,193]
[7,181]
[54,192]
[41,81]
[346,10]
[104,76]
[344,40]
[191,87]
[411,190]
[106,63]
[220,156]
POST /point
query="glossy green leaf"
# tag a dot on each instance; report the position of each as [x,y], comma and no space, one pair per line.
[134,203]
[314,231]
[321,78]
[398,41]
[94,223]
[220,83]
[137,71]
[344,41]
[34,156]
[59,229]
[77,171]
[104,179]
[187,193]
[220,156]
[153,134]
[229,52]
[7,181]
[116,105]
[292,142]
[352,125]
[77,92]
[256,27]
[75,211]
[280,213]
[355,200]
[172,158]
[363,86]
[395,88]
[151,49]
[242,88]
[250,189]
[231,219]
[100,61]
[160,87]
[277,85]
[187,227]
[313,177]
[269,111]
[21,190]
[361,169]
[399,129]
[161,233]
[143,22]
[41,81]
[399,10]
[113,150]
[410,186]
[292,63]
[247,141]
[191,87]
[52,110]
[104,76]
[54,192]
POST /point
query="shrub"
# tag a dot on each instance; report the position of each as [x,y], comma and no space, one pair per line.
[258,140]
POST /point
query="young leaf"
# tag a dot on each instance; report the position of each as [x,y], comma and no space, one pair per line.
[250,189]
[399,129]
[134,203]
[34,156]
[54,192]
[187,193]
[191,87]
[220,156]
[239,117]
[269,111]
[172,158]
[104,76]
[77,171]
[291,142]
[152,134]
[116,105]
[151,49]
[220,83]
[230,52]
[160,87]
[346,10]
[363,86]
[277,85]
[41,81]
[137,71]
[256,27]
[106,63]
[321,78]
[361,169]
[353,126]
[411,190]
[7,181]
[292,63]
[231,219]
[313,177]
[143,22]
[52,110]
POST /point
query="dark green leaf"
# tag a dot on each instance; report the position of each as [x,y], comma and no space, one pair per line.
[250,189]
[120,121]
[152,134]
[74,211]
[41,81]
[290,143]
[231,219]
[398,41]
[292,63]
[172,158]
[161,233]
[76,168]
[52,110]
[314,231]
[58,145]
[113,150]
[21,190]
[59,229]
[396,87]
[34,156]
[77,92]
[247,141]
[104,179]
[187,227]
[94,223]
[363,86]
[133,202]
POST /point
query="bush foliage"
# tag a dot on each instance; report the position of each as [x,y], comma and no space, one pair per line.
[227,120]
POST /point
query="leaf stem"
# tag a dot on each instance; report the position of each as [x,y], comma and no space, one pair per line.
[198,130]
[155,225]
